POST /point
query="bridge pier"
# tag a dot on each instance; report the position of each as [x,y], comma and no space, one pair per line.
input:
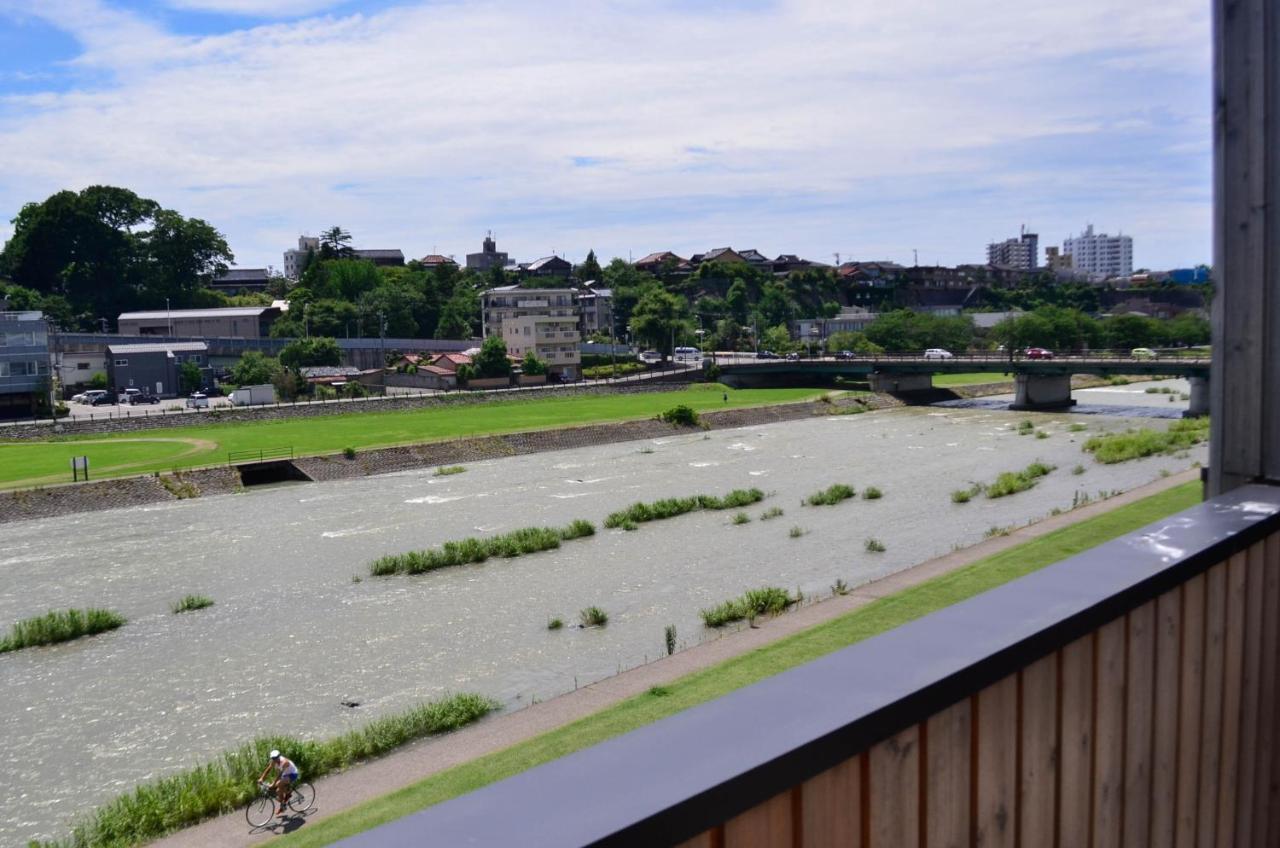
[1199,404]
[893,383]
[1042,391]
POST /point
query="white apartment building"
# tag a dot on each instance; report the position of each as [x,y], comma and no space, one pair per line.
[506,302]
[1100,255]
[1021,253]
[553,339]
[293,259]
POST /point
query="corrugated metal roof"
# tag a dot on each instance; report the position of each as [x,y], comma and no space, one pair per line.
[175,347]
[228,312]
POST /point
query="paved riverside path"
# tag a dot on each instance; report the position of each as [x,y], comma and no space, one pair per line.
[339,792]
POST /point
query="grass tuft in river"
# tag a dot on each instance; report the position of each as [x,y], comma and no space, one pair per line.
[527,540]
[59,626]
[639,513]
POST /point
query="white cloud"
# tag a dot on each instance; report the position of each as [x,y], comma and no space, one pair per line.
[823,121]
[256,8]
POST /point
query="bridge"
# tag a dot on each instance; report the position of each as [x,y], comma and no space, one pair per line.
[1038,383]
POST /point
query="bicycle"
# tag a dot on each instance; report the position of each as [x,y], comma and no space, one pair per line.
[261,809]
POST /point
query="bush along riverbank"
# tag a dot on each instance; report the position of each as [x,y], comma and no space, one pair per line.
[527,540]
[639,513]
[55,626]
[220,786]
[1011,482]
[1135,444]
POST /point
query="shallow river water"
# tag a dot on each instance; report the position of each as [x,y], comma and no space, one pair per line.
[292,635]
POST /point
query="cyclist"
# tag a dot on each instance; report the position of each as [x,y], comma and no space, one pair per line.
[283,784]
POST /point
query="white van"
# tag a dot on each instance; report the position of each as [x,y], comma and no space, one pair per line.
[688,354]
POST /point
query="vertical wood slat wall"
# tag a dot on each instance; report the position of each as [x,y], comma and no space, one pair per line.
[1159,728]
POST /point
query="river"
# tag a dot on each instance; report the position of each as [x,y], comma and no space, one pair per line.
[292,634]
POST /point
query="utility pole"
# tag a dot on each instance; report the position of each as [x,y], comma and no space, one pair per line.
[382,337]
[168,316]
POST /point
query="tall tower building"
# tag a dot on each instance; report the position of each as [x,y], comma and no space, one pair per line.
[1100,254]
[1021,253]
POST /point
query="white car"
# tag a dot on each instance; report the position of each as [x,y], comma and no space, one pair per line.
[651,357]
[87,397]
[937,353]
[198,400]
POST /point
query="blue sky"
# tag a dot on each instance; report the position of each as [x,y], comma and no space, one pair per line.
[796,126]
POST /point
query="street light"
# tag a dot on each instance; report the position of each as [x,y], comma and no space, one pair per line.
[168,316]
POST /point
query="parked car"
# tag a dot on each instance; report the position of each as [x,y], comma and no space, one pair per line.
[845,354]
[144,398]
[1038,353]
[78,398]
[650,357]
[130,394]
[198,400]
[937,353]
[104,399]
[88,397]
[1143,353]
[766,354]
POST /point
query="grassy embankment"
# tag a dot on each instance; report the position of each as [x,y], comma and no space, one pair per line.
[55,626]
[222,785]
[113,455]
[701,686]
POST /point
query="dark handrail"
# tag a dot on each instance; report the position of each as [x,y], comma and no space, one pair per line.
[677,778]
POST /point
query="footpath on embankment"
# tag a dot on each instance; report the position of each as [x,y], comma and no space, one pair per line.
[341,792]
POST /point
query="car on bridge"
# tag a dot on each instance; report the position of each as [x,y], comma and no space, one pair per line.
[766,354]
[650,357]
[845,354]
[937,353]
[1143,353]
[1038,353]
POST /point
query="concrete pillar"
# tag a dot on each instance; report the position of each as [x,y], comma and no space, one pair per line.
[1042,391]
[891,383]
[1199,397]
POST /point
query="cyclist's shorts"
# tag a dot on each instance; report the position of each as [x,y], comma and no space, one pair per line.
[291,777]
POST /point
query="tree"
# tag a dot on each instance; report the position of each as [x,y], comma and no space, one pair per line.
[589,269]
[303,353]
[492,360]
[393,304]
[106,249]
[852,341]
[660,318]
[189,377]
[254,369]
[459,316]
[778,339]
[330,318]
[335,243]
[532,365]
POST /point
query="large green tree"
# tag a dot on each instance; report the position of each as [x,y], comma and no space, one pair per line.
[302,353]
[661,319]
[254,369]
[492,359]
[105,250]
[589,269]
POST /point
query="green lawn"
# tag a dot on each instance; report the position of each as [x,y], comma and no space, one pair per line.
[972,378]
[25,463]
[701,686]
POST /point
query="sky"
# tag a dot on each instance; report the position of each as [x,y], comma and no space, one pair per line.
[872,130]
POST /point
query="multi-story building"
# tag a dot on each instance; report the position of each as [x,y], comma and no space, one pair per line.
[1057,261]
[235,280]
[552,338]
[595,305]
[24,363]
[1100,255]
[1021,253]
[239,322]
[488,257]
[506,302]
[296,260]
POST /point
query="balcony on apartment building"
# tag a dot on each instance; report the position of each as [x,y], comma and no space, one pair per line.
[1126,696]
